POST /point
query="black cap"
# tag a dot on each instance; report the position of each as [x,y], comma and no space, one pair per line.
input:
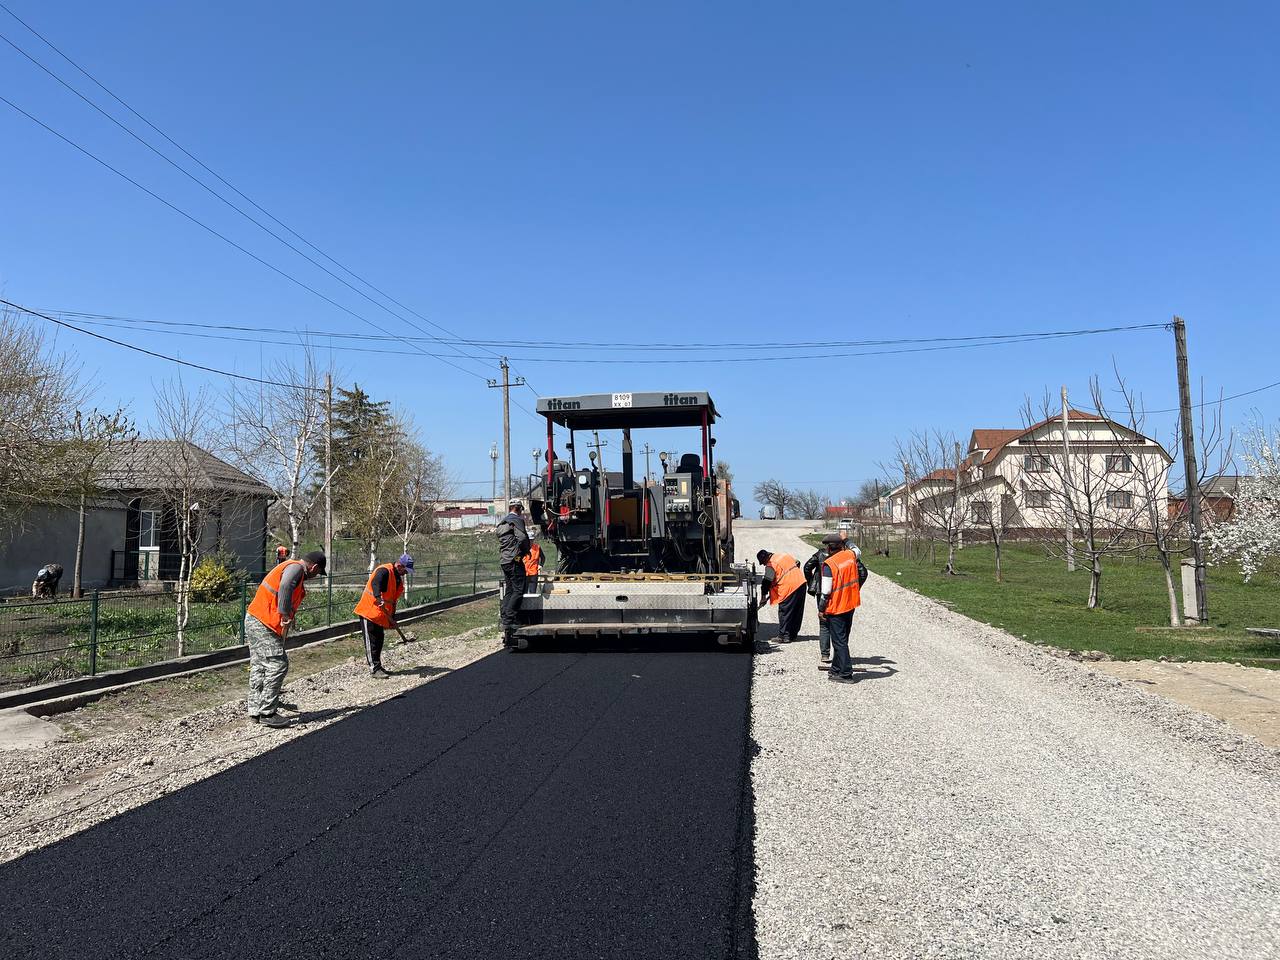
[763,556]
[832,538]
[318,558]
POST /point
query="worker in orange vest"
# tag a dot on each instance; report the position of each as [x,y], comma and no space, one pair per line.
[376,608]
[838,597]
[784,581]
[266,624]
[532,567]
[282,553]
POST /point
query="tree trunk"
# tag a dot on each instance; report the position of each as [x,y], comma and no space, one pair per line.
[373,554]
[951,555]
[76,589]
[184,579]
[1174,619]
[1095,581]
[295,535]
[996,543]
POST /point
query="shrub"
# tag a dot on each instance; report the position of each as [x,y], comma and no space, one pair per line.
[212,582]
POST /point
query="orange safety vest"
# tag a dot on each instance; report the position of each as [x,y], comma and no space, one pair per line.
[787,577]
[266,602]
[844,596]
[368,608]
[533,562]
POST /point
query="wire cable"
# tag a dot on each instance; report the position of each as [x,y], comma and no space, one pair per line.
[152,353]
[223,237]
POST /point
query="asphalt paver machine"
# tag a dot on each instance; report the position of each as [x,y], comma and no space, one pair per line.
[637,557]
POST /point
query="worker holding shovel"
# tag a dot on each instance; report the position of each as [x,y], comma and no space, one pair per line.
[376,609]
[266,625]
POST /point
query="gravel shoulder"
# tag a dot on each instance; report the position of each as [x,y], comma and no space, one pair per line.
[974,796]
[127,754]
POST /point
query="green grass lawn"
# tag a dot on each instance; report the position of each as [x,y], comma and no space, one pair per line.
[1039,601]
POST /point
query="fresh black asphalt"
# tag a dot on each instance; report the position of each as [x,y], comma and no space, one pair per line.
[555,804]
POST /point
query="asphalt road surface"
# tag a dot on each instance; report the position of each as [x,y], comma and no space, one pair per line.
[529,805]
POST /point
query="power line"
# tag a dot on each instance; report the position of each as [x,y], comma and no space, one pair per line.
[223,237]
[221,179]
[980,339]
[152,353]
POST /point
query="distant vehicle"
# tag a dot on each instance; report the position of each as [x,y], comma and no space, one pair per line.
[846,524]
[768,513]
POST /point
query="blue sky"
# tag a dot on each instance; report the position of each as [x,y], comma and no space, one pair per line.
[672,173]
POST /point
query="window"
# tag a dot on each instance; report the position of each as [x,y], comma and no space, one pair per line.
[1119,499]
[147,530]
[1037,498]
[1120,463]
[982,513]
[1035,464]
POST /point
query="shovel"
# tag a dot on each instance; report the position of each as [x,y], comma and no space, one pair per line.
[405,638]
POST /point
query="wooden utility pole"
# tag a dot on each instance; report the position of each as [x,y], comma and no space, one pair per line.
[1191,468]
[1067,481]
[506,386]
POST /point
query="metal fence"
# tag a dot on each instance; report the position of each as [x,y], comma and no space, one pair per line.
[107,630]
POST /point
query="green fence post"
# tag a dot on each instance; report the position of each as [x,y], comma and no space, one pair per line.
[244,607]
[437,579]
[93,635]
[475,576]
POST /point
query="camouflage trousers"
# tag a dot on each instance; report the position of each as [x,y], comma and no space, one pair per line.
[268,663]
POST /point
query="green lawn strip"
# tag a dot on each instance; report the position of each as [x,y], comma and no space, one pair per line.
[1042,603]
[180,695]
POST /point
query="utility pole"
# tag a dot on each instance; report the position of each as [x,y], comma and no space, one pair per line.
[1068,480]
[506,386]
[957,516]
[906,508]
[328,484]
[537,455]
[493,458]
[596,445]
[1191,468]
[646,451]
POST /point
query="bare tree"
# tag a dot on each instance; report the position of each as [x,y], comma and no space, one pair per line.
[275,433]
[773,494]
[868,494]
[807,504]
[424,484]
[1252,536]
[724,471]
[989,506]
[1160,525]
[372,486]
[186,422]
[1089,491]
[39,390]
[96,439]
[932,460]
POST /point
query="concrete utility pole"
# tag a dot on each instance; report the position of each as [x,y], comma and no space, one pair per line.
[506,386]
[906,508]
[596,444]
[1067,479]
[328,484]
[955,503]
[1192,471]
[537,455]
[646,451]
[493,459]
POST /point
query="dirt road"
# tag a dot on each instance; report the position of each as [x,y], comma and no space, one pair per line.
[974,797]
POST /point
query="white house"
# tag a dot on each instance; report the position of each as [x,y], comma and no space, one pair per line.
[1023,479]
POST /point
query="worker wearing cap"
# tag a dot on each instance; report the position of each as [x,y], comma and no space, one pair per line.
[513,547]
[376,608]
[266,624]
[282,553]
[783,586]
[838,598]
[46,582]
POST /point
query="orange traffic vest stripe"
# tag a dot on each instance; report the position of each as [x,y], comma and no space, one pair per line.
[845,595]
[368,608]
[266,601]
[787,577]
[533,562]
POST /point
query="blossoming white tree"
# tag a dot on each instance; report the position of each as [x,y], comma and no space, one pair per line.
[1252,536]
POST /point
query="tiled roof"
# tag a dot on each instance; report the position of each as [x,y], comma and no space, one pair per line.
[154,464]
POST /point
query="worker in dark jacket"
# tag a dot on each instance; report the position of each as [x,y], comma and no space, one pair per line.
[46,582]
[513,547]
